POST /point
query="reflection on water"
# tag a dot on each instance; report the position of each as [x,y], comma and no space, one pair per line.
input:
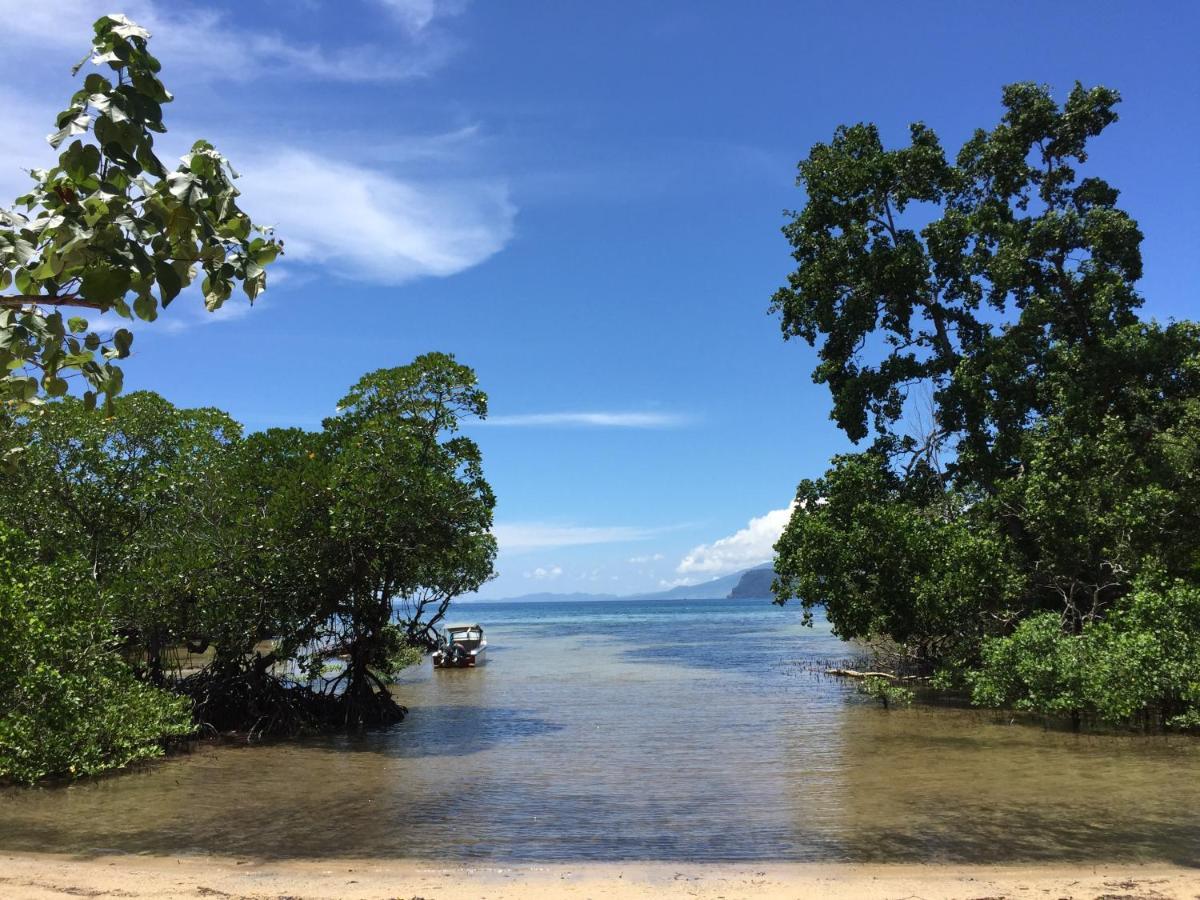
[667,730]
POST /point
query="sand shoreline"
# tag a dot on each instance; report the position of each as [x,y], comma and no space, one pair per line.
[36,876]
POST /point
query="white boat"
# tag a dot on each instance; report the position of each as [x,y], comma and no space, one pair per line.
[464,648]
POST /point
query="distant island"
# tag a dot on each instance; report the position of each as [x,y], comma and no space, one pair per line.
[748,584]
[754,584]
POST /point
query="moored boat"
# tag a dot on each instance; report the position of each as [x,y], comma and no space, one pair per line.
[465,646]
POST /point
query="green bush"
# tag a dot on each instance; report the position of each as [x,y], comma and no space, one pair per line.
[69,704]
[1139,665]
[886,691]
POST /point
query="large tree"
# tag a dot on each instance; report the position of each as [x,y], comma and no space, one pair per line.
[130,494]
[1034,441]
[111,228]
[970,278]
[411,519]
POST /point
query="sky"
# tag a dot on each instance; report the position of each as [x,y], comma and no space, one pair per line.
[583,202]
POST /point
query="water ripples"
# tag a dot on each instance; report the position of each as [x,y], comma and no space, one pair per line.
[665,730]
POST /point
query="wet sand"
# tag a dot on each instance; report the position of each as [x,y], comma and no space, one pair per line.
[45,876]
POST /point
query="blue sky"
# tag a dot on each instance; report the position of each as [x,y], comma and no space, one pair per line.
[583,202]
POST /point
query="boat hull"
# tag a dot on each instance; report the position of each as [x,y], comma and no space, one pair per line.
[471,661]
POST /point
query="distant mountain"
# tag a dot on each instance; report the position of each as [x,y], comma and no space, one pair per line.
[728,586]
[717,589]
[755,583]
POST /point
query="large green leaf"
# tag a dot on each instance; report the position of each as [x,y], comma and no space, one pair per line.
[104,284]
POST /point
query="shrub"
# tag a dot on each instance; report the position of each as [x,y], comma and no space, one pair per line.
[1140,665]
[885,691]
[69,704]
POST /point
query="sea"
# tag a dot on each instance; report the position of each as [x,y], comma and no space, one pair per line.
[647,730]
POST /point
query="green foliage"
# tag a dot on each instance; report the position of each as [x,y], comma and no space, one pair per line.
[1014,528]
[1037,667]
[394,652]
[134,494]
[884,555]
[907,261]
[411,515]
[1140,664]
[277,555]
[886,691]
[110,228]
[69,704]
[268,550]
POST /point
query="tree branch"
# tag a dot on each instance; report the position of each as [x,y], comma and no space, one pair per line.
[16,301]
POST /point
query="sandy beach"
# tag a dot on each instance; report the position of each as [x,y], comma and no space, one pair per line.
[44,876]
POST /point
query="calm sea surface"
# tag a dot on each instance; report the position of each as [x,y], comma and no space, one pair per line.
[692,729]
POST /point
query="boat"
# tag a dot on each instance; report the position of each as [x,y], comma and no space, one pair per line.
[464,648]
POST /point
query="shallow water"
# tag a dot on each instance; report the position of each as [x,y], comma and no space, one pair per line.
[664,730]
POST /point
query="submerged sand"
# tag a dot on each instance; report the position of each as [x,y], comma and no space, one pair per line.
[42,876]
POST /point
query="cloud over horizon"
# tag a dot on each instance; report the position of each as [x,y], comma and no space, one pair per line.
[746,547]
[544,573]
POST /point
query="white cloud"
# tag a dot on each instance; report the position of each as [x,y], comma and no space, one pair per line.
[386,223]
[200,44]
[749,546]
[59,23]
[417,15]
[364,223]
[591,420]
[186,312]
[545,573]
[370,225]
[516,537]
[642,560]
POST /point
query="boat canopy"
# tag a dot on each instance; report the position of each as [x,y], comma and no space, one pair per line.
[450,628]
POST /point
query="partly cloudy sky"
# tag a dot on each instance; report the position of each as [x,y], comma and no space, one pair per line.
[583,202]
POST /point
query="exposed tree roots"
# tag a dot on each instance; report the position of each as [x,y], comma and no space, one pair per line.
[262,705]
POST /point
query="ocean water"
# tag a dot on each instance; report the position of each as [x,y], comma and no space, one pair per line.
[672,730]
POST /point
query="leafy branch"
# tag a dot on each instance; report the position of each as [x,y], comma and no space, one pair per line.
[109,228]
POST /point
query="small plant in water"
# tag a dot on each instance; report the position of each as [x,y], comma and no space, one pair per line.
[885,691]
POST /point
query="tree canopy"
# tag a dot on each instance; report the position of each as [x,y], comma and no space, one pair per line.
[1030,479]
[278,581]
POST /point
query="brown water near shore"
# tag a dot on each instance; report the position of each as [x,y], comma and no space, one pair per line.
[667,731]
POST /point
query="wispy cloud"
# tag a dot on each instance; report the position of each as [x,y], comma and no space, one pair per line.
[200,44]
[362,222]
[544,573]
[590,420]
[749,546]
[667,584]
[22,142]
[418,15]
[385,222]
[648,558]
[518,537]
[369,224]
[187,313]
